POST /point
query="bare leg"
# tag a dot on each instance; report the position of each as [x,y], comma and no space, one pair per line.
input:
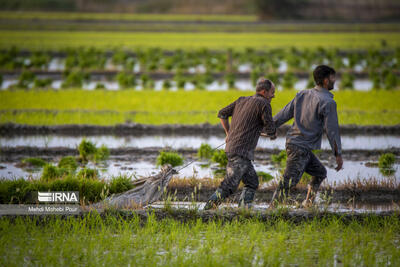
[312,190]
[310,197]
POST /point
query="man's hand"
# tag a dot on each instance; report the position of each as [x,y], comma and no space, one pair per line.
[339,162]
[272,137]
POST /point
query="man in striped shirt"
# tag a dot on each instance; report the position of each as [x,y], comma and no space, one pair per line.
[249,115]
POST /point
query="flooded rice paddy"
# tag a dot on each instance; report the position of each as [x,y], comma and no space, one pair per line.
[240,84]
[353,171]
[349,142]
[128,157]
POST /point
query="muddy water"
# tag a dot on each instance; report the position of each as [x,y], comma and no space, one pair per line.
[353,171]
[334,207]
[363,142]
[112,168]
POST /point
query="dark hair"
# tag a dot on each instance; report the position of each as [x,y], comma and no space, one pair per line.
[263,84]
[321,72]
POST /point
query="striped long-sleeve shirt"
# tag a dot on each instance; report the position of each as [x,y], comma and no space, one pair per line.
[249,116]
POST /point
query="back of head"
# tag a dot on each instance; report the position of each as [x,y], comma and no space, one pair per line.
[263,84]
[321,72]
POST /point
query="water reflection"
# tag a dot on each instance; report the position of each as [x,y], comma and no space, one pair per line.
[362,142]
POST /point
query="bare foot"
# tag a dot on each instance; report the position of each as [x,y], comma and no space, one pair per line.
[307,203]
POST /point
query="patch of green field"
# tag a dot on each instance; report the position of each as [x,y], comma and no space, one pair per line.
[149,107]
[56,40]
[189,26]
[112,240]
[123,17]
[45,25]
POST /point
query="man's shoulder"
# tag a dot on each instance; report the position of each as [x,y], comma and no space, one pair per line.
[326,97]
[252,98]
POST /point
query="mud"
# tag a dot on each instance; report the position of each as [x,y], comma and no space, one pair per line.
[347,195]
[11,129]
[11,154]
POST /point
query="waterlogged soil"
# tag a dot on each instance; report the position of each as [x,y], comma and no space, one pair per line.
[136,154]
[349,142]
[138,165]
[128,129]
[349,194]
[263,207]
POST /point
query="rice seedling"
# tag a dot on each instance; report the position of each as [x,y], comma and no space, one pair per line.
[391,81]
[288,81]
[204,151]
[128,240]
[34,162]
[169,158]
[347,81]
[25,79]
[219,156]
[50,172]
[100,86]
[68,163]
[102,153]
[264,177]
[386,162]
[279,159]
[166,85]
[87,173]
[74,79]
[126,80]
[42,83]
[86,150]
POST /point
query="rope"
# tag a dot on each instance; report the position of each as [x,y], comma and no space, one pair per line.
[196,159]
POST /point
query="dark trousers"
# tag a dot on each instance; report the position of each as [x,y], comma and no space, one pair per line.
[300,160]
[239,169]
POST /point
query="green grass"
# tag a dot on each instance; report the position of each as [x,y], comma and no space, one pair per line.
[123,17]
[93,241]
[194,27]
[55,40]
[149,107]
[74,21]
[18,191]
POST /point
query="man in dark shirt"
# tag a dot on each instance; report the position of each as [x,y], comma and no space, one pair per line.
[249,116]
[314,112]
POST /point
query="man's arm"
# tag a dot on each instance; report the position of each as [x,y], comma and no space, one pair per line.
[280,118]
[224,115]
[269,125]
[284,114]
[331,127]
[225,125]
